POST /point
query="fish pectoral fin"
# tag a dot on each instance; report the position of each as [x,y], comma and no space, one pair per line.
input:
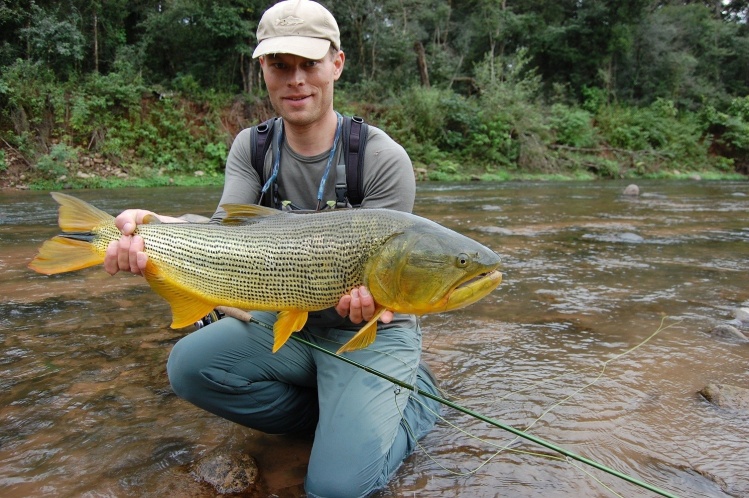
[187,308]
[366,334]
[286,324]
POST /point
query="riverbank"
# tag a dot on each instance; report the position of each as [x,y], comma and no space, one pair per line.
[94,172]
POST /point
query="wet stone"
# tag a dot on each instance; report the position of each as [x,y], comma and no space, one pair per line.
[727,396]
[742,314]
[727,331]
[631,190]
[227,472]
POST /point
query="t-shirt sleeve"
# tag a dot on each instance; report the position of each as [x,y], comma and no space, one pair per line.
[241,183]
[388,174]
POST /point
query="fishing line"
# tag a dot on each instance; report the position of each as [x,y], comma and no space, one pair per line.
[506,447]
[497,423]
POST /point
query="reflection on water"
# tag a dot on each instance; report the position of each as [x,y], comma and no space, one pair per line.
[87,410]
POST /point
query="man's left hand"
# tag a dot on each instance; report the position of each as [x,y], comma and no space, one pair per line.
[359,306]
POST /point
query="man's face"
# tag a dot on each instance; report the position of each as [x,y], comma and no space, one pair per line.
[301,90]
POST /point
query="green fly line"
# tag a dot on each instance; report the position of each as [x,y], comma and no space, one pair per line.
[569,456]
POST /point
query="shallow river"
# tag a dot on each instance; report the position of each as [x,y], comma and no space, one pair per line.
[86,408]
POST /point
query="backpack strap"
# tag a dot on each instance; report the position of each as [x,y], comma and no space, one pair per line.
[349,181]
[355,140]
[260,140]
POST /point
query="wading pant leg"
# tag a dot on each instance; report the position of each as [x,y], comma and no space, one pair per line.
[228,369]
[367,425]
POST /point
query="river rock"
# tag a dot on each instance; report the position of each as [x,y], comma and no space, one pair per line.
[727,331]
[727,396]
[632,190]
[742,314]
[227,472]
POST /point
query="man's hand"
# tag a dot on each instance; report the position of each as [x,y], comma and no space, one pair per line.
[359,306]
[126,254]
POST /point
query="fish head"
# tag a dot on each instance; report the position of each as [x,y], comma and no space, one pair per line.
[428,268]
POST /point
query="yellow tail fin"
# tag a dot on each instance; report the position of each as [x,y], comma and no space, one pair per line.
[62,254]
[77,215]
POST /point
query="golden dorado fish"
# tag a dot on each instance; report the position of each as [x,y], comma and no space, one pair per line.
[263,259]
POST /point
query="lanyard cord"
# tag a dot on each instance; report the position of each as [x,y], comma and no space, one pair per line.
[277,160]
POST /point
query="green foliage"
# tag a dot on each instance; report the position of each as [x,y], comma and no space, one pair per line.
[53,165]
[572,126]
[54,38]
[3,164]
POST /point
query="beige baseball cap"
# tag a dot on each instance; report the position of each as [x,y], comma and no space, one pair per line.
[298,27]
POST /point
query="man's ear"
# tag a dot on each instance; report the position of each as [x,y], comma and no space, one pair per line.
[338,61]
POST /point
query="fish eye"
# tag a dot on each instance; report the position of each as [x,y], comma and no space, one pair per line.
[462,260]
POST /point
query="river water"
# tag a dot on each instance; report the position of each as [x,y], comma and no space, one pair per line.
[86,408]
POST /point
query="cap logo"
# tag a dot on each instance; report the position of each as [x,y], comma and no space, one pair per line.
[289,21]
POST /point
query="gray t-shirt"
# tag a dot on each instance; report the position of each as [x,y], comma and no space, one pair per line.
[387,179]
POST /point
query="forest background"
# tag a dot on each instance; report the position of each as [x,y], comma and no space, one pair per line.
[112,92]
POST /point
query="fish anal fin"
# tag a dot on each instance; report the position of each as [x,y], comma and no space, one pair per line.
[237,214]
[366,334]
[61,254]
[286,324]
[187,308]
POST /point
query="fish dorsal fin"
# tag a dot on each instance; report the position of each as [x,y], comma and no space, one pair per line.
[151,219]
[187,308]
[366,334]
[286,324]
[237,214]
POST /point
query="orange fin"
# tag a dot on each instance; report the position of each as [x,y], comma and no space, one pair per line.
[287,323]
[237,214]
[76,215]
[366,334]
[187,308]
[60,254]
[151,219]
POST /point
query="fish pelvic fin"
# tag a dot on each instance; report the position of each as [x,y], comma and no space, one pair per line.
[286,324]
[72,250]
[61,254]
[187,307]
[366,334]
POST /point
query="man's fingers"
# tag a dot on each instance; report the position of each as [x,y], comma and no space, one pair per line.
[110,258]
[367,303]
[343,306]
[136,246]
[355,312]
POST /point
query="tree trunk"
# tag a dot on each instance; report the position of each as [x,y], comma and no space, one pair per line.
[96,42]
[421,61]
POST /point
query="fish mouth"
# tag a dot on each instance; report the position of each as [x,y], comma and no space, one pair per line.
[472,290]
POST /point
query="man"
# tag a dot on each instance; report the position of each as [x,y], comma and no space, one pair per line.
[363,425]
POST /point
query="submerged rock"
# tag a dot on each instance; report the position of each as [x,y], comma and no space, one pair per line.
[727,396]
[727,331]
[742,314]
[632,190]
[227,472]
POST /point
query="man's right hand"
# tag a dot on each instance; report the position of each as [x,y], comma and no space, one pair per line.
[126,254]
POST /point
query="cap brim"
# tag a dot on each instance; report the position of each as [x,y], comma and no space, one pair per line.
[303,46]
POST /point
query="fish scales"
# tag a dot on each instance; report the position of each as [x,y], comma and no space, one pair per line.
[274,263]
